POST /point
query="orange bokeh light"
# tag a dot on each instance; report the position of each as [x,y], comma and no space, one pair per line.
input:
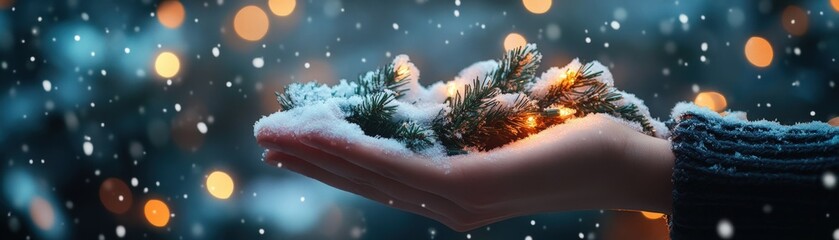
[537,6]
[759,51]
[835,4]
[115,195]
[514,40]
[167,64]
[171,14]
[251,23]
[282,8]
[42,213]
[6,3]
[834,122]
[794,19]
[651,215]
[713,100]
[156,212]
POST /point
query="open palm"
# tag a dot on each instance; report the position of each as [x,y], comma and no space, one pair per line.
[587,163]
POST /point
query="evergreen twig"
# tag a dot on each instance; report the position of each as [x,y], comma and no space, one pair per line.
[475,118]
[374,115]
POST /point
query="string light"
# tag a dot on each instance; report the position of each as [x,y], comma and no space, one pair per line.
[567,78]
[566,113]
[531,121]
[402,71]
[561,111]
[452,90]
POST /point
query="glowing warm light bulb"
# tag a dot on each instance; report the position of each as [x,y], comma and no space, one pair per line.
[251,23]
[571,76]
[572,73]
[282,8]
[220,185]
[171,14]
[514,40]
[565,112]
[157,213]
[452,89]
[759,51]
[537,6]
[795,20]
[713,100]
[561,77]
[652,215]
[531,121]
[402,71]
[115,195]
[167,64]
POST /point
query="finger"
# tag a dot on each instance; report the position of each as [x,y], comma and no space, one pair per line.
[409,169]
[363,176]
[307,169]
[467,219]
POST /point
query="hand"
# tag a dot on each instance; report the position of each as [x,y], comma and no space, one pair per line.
[587,163]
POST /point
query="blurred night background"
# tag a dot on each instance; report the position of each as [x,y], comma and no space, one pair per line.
[133,119]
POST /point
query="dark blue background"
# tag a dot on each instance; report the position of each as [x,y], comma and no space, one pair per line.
[134,137]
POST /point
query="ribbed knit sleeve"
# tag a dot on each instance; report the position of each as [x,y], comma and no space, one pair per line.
[735,179]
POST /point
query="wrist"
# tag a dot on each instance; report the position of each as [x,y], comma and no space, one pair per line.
[652,184]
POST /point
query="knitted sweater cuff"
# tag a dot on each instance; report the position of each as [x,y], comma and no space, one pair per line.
[735,179]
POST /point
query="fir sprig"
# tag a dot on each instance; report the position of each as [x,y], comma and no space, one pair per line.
[517,68]
[583,92]
[415,136]
[475,118]
[374,115]
[384,78]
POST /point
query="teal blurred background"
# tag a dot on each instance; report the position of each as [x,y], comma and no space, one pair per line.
[87,116]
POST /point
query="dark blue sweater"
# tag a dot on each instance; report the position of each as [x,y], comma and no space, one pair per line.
[760,180]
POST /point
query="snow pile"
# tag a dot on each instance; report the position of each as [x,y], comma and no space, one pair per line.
[324,109]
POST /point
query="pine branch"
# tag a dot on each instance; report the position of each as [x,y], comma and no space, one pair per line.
[630,112]
[384,78]
[517,68]
[481,117]
[502,125]
[477,120]
[286,103]
[582,91]
[296,95]
[374,115]
[415,136]
[466,113]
